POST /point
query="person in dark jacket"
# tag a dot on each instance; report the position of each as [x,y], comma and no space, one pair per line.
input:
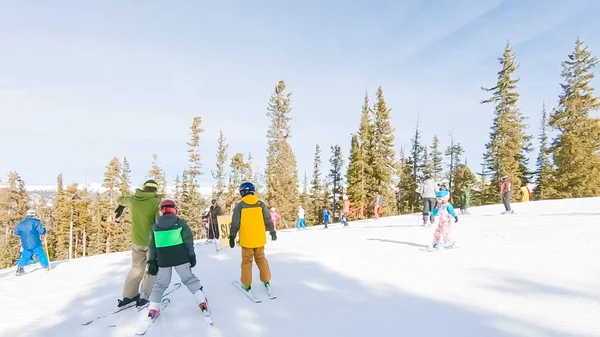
[172,247]
[465,200]
[29,231]
[213,221]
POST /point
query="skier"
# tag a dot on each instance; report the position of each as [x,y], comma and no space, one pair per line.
[465,199]
[506,193]
[325,217]
[445,211]
[301,224]
[29,231]
[345,210]
[428,189]
[213,221]
[378,205]
[525,193]
[275,217]
[251,218]
[144,208]
[172,247]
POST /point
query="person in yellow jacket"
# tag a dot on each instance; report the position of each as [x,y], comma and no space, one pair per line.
[251,218]
[525,193]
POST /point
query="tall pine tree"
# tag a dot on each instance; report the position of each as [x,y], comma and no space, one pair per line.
[336,162]
[219,174]
[316,188]
[576,148]
[192,203]
[14,202]
[437,161]
[158,174]
[544,165]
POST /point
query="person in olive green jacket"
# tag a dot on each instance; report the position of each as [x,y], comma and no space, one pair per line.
[144,210]
[465,200]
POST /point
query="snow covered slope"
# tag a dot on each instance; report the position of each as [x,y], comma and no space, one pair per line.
[535,273]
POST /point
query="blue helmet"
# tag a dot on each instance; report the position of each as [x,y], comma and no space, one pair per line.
[442,196]
[247,188]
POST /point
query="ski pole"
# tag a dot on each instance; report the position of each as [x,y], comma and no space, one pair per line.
[47,252]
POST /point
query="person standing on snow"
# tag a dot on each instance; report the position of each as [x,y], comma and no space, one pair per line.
[445,211]
[29,231]
[251,219]
[428,189]
[465,200]
[345,210]
[506,193]
[172,247]
[301,224]
[378,205]
[275,217]
[325,217]
[525,193]
[144,209]
[213,221]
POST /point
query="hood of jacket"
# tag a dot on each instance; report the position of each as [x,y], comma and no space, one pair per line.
[143,195]
[166,221]
[250,199]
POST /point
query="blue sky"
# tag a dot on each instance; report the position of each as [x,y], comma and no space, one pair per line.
[81,82]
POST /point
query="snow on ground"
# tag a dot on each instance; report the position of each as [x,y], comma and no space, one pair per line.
[534,273]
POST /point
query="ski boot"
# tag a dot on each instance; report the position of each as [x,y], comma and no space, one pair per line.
[20,271]
[201,300]
[142,302]
[127,301]
[153,310]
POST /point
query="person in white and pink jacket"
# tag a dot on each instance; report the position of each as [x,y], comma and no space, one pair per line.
[445,211]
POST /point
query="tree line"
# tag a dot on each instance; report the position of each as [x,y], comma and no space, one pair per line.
[81,222]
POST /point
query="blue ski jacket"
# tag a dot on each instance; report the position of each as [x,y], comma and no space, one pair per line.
[326,215]
[29,230]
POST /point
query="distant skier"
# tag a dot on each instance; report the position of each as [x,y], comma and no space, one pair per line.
[29,231]
[378,205]
[172,247]
[506,193]
[525,193]
[345,210]
[213,222]
[465,200]
[325,217]
[301,223]
[445,211]
[144,208]
[275,217]
[427,189]
[251,219]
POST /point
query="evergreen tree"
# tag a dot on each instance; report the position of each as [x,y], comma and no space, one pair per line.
[544,165]
[14,203]
[220,175]
[417,154]
[305,201]
[336,162]
[382,154]
[506,152]
[355,178]
[61,215]
[407,199]
[125,187]
[437,161]
[178,191]
[427,164]
[454,153]
[281,174]
[576,148]
[484,195]
[192,204]
[239,174]
[464,179]
[316,189]
[158,174]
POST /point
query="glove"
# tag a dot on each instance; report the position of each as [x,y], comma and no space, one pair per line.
[231,242]
[152,268]
[192,261]
[456,218]
[119,212]
[273,236]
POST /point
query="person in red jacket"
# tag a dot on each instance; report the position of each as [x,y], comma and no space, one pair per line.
[506,193]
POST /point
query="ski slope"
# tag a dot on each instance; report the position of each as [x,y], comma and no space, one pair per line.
[534,273]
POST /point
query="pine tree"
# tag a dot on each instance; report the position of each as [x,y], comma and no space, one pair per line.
[464,179]
[506,152]
[239,174]
[454,153]
[576,148]
[177,193]
[355,177]
[336,162]
[125,187]
[417,154]
[365,193]
[316,189]
[281,174]
[61,215]
[383,154]
[220,175]
[192,203]
[14,202]
[158,174]
[427,164]
[544,165]
[437,161]
[407,200]
[483,195]
[305,201]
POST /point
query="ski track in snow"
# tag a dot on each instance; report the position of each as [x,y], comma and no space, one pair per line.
[534,273]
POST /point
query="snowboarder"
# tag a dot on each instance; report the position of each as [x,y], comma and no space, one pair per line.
[172,247]
[378,205]
[427,189]
[29,231]
[301,224]
[213,221]
[275,217]
[144,209]
[465,200]
[251,218]
[445,211]
[345,210]
[506,193]
[325,217]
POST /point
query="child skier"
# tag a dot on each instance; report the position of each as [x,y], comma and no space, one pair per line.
[301,223]
[325,217]
[172,247]
[29,231]
[275,217]
[251,218]
[445,211]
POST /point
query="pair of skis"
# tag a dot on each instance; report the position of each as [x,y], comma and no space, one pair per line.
[145,326]
[131,305]
[250,294]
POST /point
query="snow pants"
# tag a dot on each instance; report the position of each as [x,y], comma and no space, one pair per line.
[163,280]
[213,230]
[27,254]
[506,196]
[258,254]
[301,223]
[428,206]
[443,228]
[377,210]
[138,273]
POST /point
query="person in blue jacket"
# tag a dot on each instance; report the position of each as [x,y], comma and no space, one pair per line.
[325,217]
[29,231]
